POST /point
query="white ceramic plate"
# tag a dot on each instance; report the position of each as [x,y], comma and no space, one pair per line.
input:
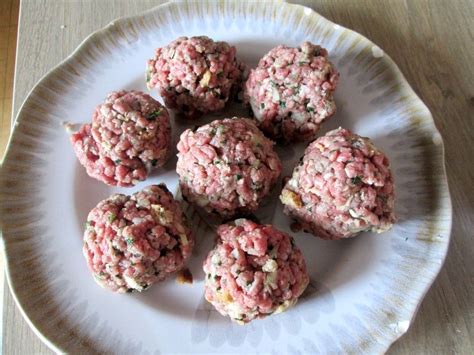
[363,293]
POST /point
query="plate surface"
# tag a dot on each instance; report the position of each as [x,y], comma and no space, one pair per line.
[363,293]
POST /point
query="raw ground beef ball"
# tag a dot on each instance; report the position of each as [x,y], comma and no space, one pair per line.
[227,166]
[291,91]
[253,271]
[129,135]
[342,186]
[195,75]
[131,242]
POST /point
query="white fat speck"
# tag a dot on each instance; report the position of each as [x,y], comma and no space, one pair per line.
[235,253]
[239,222]
[131,283]
[270,280]
[353,213]
[270,266]
[284,306]
[234,310]
[437,140]
[252,251]
[215,259]
[63,27]
[377,52]
[184,239]
[336,26]
[299,116]
[307,11]
[293,184]
[400,327]
[275,94]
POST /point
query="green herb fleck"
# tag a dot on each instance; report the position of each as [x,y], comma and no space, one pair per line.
[218,288]
[152,116]
[238,176]
[262,106]
[249,282]
[213,132]
[356,180]
[309,109]
[112,217]
[154,162]
[208,276]
[282,104]
[215,277]
[129,241]
[220,74]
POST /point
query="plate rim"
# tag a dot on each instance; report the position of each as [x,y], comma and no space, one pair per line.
[400,78]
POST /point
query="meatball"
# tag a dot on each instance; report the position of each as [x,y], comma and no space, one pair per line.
[131,242]
[227,166]
[130,134]
[342,186]
[253,271]
[195,75]
[291,91]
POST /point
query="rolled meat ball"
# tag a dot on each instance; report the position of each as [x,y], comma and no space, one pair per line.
[195,75]
[253,271]
[131,242]
[130,134]
[227,166]
[291,91]
[342,186]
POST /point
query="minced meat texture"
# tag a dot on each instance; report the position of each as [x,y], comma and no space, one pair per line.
[227,167]
[195,75]
[343,186]
[131,242]
[253,271]
[130,134]
[291,91]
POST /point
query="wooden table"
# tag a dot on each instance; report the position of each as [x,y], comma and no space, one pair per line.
[431,41]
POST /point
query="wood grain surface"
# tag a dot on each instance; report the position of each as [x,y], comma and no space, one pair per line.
[432,43]
[8,31]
